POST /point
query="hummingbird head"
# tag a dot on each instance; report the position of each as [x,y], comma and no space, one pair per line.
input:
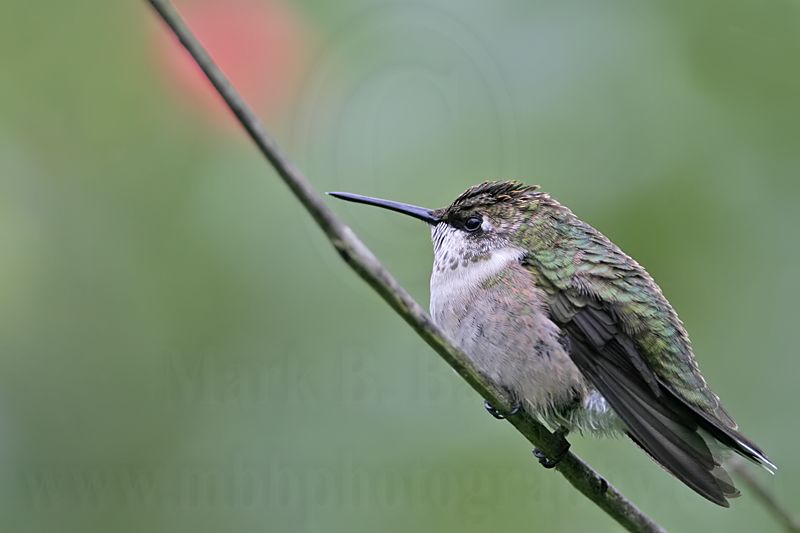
[483,219]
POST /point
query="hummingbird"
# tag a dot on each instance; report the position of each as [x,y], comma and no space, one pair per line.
[574,329]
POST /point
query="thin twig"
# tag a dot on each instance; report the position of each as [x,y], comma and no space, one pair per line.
[742,469]
[361,259]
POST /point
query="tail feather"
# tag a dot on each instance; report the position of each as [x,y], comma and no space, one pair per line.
[728,436]
[663,427]
[672,440]
[678,435]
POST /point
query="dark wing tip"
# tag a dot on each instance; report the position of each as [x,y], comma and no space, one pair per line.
[660,423]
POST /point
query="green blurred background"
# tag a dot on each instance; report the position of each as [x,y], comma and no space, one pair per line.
[183,351]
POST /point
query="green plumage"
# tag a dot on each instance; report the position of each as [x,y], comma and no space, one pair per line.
[623,334]
[570,257]
[574,328]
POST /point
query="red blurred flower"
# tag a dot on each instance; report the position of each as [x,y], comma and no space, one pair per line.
[261,46]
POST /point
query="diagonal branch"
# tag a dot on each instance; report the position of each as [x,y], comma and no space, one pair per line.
[358,256]
[784,516]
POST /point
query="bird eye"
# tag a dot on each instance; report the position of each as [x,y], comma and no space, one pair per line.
[473,223]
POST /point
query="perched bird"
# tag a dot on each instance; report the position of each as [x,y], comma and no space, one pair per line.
[574,329]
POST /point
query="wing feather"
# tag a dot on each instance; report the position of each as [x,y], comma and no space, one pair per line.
[664,427]
[629,343]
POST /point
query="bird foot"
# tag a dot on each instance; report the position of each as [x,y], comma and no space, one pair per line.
[497,414]
[546,461]
[563,448]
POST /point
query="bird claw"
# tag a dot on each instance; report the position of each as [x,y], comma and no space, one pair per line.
[497,414]
[546,461]
[563,448]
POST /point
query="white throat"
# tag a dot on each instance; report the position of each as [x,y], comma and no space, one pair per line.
[453,278]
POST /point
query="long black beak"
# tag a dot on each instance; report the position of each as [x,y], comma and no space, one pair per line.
[426,215]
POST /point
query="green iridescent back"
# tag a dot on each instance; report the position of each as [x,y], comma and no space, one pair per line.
[571,260]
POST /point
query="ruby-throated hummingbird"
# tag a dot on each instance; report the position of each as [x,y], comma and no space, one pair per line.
[577,332]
